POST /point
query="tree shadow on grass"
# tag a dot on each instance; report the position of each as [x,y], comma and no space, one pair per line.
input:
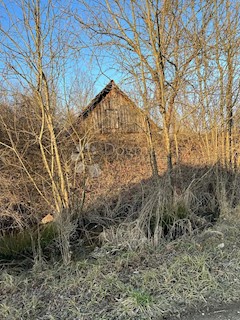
[200,195]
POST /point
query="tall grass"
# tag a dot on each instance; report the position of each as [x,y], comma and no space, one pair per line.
[147,215]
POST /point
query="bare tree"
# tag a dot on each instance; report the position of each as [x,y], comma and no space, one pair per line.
[32,56]
[34,53]
[217,86]
[153,42]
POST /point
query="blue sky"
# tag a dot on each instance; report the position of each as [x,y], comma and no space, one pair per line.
[77,62]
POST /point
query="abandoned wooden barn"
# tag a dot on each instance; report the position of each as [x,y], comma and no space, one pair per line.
[112,129]
[112,111]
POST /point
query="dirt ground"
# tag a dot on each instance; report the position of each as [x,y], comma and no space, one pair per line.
[230,312]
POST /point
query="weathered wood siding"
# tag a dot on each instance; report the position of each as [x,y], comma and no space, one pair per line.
[115,113]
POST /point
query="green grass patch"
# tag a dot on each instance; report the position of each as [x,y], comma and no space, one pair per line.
[17,244]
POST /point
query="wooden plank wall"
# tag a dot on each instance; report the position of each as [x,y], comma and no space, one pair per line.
[116,113]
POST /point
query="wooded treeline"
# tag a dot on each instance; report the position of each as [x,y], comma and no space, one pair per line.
[178,59]
[183,58]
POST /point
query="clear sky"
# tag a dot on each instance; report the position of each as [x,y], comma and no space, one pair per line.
[70,60]
[66,55]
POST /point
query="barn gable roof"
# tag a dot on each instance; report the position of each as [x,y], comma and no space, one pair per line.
[100,96]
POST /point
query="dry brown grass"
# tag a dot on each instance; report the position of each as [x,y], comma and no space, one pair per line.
[142,270]
[130,282]
[156,257]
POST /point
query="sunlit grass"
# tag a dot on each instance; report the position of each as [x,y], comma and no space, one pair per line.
[121,283]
